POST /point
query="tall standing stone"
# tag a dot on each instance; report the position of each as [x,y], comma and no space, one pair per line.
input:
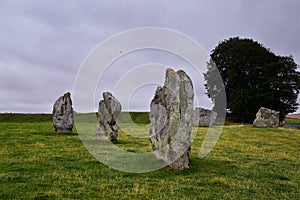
[62,114]
[171,113]
[109,110]
[266,118]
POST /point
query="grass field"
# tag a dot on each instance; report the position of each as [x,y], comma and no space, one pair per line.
[292,121]
[246,163]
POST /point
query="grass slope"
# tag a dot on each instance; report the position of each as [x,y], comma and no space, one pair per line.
[292,120]
[247,163]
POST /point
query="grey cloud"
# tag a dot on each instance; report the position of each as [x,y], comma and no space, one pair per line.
[43,43]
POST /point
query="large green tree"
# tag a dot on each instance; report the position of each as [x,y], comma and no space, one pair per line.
[253,77]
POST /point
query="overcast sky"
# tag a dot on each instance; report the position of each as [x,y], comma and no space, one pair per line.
[43,43]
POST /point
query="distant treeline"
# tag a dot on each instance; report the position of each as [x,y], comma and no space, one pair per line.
[125,117]
[25,118]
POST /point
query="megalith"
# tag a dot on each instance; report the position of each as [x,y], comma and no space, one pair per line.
[203,117]
[171,113]
[266,118]
[62,114]
[108,112]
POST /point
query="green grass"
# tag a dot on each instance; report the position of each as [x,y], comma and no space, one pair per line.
[29,118]
[137,117]
[292,121]
[246,163]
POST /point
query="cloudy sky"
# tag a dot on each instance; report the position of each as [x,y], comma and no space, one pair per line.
[44,43]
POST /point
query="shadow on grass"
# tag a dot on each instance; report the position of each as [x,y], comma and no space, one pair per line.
[54,134]
[198,167]
[209,167]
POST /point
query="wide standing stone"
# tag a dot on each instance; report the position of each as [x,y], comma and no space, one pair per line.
[62,114]
[266,118]
[171,119]
[204,117]
[109,110]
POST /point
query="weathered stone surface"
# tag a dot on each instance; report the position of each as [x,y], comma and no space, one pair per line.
[203,117]
[266,118]
[62,114]
[109,110]
[171,119]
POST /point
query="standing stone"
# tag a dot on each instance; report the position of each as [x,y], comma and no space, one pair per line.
[109,110]
[203,117]
[62,114]
[266,118]
[171,119]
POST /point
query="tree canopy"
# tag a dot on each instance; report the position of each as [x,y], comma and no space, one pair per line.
[253,77]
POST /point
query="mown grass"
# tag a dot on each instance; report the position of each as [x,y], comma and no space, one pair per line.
[246,163]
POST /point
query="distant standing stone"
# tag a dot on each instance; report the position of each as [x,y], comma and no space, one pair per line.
[63,114]
[109,110]
[266,118]
[203,117]
[171,119]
